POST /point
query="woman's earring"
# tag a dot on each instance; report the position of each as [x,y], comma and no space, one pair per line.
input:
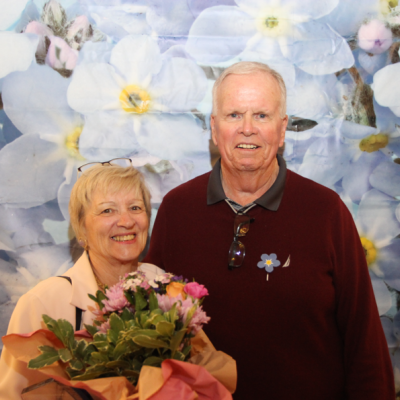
[83,243]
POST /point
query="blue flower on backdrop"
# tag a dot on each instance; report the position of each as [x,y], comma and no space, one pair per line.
[269,262]
[140,100]
[279,30]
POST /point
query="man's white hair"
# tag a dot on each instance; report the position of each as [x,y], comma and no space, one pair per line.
[247,68]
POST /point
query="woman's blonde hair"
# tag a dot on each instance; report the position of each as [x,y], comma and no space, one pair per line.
[106,179]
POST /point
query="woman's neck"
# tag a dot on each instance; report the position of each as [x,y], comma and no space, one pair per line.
[109,274]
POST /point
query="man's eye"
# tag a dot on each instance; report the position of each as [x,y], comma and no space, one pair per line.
[262,116]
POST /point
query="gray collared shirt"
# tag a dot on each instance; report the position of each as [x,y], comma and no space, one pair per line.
[270,200]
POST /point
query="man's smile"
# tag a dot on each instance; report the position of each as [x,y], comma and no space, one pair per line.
[247,146]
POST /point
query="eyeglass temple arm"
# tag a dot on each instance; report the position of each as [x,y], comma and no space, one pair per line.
[240,227]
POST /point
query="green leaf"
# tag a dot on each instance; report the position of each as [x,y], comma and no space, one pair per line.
[65,355]
[120,349]
[149,342]
[99,337]
[153,361]
[172,314]
[189,316]
[126,315]
[129,372]
[118,364]
[62,329]
[140,301]
[80,349]
[112,336]
[46,358]
[155,319]
[91,373]
[129,297]
[153,302]
[179,356]
[52,325]
[76,365]
[91,329]
[165,328]
[99,357]
[186,350]
[177,339]
[116,323]
[147,332]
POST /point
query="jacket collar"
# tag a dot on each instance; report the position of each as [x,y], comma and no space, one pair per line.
[270,200]
[83,283]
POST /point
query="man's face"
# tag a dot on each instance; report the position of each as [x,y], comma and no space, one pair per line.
[247,126]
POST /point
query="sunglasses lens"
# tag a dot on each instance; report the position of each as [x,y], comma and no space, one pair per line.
[236,254]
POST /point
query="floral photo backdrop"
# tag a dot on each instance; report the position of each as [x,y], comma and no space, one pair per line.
[91,80]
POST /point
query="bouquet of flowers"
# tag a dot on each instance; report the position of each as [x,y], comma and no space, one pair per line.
[139,323]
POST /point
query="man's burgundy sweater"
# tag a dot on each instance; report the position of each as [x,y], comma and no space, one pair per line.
[312,331]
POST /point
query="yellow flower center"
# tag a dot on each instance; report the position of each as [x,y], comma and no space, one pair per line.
[72,143]
[268,262]
[387,6]
[274,21]
[369,250]
[374,142]
[134,99]
[271,22]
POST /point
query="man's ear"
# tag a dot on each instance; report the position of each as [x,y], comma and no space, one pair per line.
[283,130]
[213,130]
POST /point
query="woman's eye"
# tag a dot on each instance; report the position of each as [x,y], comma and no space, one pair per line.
[136,208]
[106,211]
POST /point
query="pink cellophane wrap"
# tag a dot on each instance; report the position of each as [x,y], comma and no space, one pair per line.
[209,374]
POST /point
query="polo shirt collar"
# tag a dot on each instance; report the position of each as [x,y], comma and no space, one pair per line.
[270,200]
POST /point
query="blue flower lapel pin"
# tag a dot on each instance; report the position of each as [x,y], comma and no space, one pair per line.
[269,262]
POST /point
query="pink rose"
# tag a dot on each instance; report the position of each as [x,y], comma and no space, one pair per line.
[195,290]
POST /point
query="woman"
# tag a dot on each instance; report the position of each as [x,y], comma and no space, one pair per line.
[110,213]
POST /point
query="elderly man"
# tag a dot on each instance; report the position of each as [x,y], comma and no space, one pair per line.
[290,294]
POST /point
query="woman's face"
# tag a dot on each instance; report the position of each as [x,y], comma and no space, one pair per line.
[116,226]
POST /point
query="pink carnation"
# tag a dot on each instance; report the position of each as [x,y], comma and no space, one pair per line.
[199,319]
[165,302]
[104,327]
[116,298]
[195,290]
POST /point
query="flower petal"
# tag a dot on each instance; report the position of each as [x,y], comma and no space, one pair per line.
[356,181]
[35,101]
[386,178]
[382,296]
[219,34]
[18,51]
[319,50]
[376,215]
[172,137]
[136,57]
[180,85]
[386,86]
[95,87]
[32,171]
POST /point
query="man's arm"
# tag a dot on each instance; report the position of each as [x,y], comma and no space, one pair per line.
[158,240]
[368,369]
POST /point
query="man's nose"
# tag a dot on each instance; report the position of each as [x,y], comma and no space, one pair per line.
[248,127]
